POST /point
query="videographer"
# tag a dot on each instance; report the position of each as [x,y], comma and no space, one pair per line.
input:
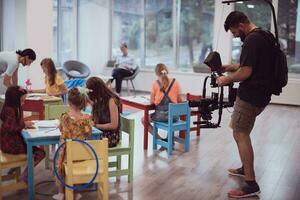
[252,97]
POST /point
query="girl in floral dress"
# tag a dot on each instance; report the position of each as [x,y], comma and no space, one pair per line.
[73,124]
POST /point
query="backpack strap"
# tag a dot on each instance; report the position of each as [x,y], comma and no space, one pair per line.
[161,87]
[170,86]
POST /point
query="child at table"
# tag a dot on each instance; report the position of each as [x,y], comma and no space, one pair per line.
[106,107]
[159,87]
[11,138]
[73,124]
[55,85]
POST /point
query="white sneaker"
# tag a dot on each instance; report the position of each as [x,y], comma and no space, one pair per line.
[59,196]
[78,196]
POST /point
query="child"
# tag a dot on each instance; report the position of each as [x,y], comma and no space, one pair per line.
[12,141]
[159,87]
[55,85]
[73,124]
[105,109]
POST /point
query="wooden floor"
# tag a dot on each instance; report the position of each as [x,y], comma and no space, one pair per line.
[201,173]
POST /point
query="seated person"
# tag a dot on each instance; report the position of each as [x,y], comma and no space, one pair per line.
[160,86]
[55,85]
[125,67]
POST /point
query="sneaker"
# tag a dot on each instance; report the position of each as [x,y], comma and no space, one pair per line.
[247,191]
[237,172]
[77,196]
[59,196]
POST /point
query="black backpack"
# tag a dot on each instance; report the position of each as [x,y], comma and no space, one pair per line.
[279,73]
[161,110]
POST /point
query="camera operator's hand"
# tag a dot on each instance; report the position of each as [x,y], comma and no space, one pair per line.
[223,80]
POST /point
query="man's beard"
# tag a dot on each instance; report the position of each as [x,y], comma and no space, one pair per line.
[242,35]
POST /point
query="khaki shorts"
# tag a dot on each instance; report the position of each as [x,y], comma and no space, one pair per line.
[243,116]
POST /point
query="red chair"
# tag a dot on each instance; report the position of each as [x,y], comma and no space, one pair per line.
[194,112]
[37,109]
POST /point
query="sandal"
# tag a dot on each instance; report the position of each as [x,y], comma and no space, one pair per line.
[247,191]
[237,172]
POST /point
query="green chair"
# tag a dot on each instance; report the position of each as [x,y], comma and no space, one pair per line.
[53,112]
[127,127]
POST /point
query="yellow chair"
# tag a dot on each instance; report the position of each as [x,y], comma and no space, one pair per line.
[8,161]
[81,166]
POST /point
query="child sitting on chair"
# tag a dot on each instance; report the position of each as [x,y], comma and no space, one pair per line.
[11,138]
[163,85]
[55,85]
[73,124]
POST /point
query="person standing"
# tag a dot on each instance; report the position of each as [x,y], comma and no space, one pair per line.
[252,97]
[125,66]
[9,65]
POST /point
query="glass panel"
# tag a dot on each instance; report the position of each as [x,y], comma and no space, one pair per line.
[159,32]
[66,31]
[196,32]
[127,27]
[259,12]
[289,32]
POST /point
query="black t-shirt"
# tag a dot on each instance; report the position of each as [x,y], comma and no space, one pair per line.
[256,54]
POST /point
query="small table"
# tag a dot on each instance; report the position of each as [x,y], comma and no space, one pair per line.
[43,136]
[33,100]
[141,102]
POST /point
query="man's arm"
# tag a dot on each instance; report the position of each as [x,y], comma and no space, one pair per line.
[230,68]
[240,75]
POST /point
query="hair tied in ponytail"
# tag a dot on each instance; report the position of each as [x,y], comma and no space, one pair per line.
[164,72]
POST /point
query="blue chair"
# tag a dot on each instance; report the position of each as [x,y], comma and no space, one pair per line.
[71,84]
[179,109]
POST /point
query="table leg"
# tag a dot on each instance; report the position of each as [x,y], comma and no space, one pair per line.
[30,171]
[146,122]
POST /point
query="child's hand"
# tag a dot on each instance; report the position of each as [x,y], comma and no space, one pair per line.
[29,124]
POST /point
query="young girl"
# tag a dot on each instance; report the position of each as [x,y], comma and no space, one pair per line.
[73,124]
[55,85]
[106,108]
[12,141]
[160,85]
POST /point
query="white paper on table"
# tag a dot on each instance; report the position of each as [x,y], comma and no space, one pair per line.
[44,132]
[46,124]
[143,99]
[37,94]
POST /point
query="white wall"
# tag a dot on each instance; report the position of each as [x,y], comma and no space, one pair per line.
[39,36]
[93,34]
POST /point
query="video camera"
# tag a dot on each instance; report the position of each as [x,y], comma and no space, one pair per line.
[216,102]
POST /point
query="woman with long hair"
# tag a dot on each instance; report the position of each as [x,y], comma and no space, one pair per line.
[55,85]
[106,108]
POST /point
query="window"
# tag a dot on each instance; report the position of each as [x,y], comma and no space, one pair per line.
[196,31]
[289,32]
[159,42]
[177,33]
[259,13]
[1,27]
[127,27]
[64,30]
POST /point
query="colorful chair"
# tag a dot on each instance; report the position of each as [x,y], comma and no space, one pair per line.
[52,112]
[175,110]
[194,112]
[81,166]
[127,127]
[9,161]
